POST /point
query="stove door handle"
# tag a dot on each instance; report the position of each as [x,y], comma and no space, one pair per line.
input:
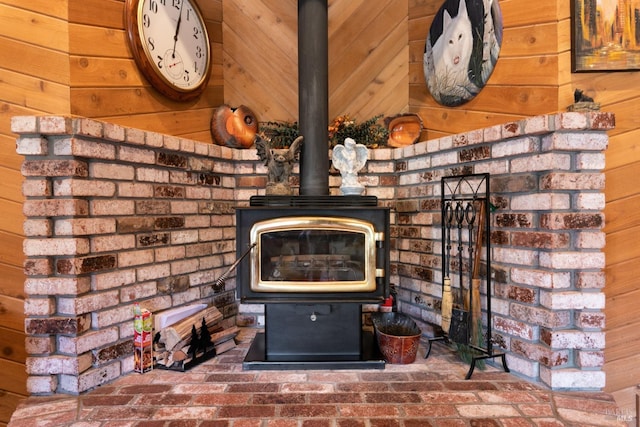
[220,282]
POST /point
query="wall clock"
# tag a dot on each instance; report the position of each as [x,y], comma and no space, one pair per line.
[170,45]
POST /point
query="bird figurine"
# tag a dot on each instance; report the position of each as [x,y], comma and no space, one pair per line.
[579,96]
[349,159]
[582,102]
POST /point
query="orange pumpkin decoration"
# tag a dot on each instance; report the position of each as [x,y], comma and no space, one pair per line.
[404,129]
[234,127]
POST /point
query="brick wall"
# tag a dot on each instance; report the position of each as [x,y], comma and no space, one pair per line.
[547,187]
[116,216]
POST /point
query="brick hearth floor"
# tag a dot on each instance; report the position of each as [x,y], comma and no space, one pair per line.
[218,393]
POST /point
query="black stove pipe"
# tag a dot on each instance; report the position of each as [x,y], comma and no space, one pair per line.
[313,96]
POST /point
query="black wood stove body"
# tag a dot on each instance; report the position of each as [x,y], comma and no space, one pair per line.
[313,262]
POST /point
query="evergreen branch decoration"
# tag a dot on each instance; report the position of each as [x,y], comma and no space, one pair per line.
[280,134]
[369,133]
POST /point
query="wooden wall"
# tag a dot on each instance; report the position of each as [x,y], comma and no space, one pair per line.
[525,81]
[105,83]
[368,57]
[71,57]
[620,93]
[33,79]
[533,76]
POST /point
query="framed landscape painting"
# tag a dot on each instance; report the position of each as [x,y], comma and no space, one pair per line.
[605,35]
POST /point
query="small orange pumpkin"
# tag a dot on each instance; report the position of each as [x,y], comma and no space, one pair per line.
[234,127]
[404,129]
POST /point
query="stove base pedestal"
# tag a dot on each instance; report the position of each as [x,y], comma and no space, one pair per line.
[314,336]
[256,359]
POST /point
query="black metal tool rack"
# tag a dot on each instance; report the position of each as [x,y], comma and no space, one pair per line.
[461,199]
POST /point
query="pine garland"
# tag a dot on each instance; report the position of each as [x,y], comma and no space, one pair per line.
[369,133]
[280,134]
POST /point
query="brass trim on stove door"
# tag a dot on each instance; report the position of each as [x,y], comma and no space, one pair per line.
[304,223]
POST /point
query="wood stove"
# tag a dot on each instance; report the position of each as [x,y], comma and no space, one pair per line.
[313,262]
[314,259]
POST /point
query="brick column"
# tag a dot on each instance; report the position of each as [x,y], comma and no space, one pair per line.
[547,262]
[115,216]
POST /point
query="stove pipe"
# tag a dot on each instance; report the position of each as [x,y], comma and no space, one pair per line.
[313,96]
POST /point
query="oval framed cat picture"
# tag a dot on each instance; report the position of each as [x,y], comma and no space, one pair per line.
[462,49]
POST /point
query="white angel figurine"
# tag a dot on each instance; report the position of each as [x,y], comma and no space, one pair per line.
[349,159]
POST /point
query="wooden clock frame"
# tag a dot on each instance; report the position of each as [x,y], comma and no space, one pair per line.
[148,68]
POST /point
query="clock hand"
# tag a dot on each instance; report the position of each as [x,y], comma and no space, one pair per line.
[175,37]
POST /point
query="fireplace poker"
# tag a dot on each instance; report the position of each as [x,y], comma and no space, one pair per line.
[218,285]
[470,216]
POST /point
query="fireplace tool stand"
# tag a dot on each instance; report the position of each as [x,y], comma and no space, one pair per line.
[465,209]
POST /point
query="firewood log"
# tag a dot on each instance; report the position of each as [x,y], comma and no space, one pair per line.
[224,335]
[225,346]
[178,333]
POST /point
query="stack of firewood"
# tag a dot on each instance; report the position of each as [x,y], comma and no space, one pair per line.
[195,338]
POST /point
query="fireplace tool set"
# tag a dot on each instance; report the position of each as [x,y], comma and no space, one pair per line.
[465,231]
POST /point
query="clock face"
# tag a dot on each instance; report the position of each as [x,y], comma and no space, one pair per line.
[170,45]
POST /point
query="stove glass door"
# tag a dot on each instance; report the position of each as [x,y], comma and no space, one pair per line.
[312,256]
[309,254]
